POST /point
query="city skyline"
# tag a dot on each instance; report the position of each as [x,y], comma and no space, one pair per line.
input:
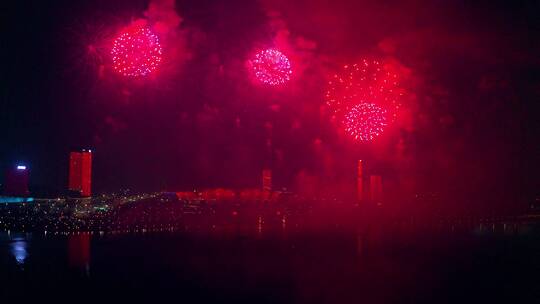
[270,151]
[202,122]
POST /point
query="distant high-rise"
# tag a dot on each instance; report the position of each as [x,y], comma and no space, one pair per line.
[360,182]
[80,172]
[267,181]
[375,188]
[17,181]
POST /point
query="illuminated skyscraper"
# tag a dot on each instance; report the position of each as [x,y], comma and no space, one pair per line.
[80,172]
[375,188]
[360,182]
[266,182]
[17,181]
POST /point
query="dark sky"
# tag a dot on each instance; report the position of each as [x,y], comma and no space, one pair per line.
[470,124]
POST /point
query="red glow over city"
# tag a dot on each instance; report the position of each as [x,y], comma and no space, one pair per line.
[274,151]
[368,81]
[80,172]
[136,52]
[365,121]
[271,67]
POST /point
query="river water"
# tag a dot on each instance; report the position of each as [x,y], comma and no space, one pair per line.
[331,266]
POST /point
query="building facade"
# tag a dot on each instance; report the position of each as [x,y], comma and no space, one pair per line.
[80,172]
[16,183]
[360,181]
[267,182]
[376,189]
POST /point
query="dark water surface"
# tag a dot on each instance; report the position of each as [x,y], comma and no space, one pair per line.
[331,266]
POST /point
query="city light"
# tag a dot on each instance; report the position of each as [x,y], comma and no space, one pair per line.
[20,167]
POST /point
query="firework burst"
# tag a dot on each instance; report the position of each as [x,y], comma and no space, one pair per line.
[367,81]
[365,121]
[271,67]
[136,52]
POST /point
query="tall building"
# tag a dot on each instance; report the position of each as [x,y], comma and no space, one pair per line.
[80,172]
[375,188]
[267,182]
[360,182]
[16,183]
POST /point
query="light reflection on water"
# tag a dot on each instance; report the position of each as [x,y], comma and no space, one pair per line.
[18,248]
[372,263]
[79,252]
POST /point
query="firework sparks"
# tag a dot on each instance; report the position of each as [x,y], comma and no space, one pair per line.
[369,81]
[365,121]
[136,52]
[271,67]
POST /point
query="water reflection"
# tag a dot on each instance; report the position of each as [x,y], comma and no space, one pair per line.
[18,248]
[278,259]
[79,251]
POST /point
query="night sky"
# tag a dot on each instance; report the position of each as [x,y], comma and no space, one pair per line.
[469,125]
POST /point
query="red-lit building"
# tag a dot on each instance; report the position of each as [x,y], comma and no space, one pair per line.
[80,172]
[267,182]
[375,188]
[16,183]
[360,181]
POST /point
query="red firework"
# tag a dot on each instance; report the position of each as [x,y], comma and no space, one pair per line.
[365,121]
[271,67]
[136,52]
[368,81]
